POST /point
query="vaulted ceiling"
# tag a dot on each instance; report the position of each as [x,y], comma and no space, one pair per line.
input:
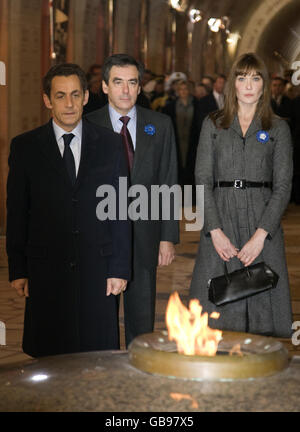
[270,27]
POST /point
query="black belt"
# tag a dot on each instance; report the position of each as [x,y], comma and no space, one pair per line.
[243,184]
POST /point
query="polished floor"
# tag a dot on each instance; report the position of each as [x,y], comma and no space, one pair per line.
[176,277]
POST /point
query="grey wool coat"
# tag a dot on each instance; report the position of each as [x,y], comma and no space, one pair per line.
[225,155]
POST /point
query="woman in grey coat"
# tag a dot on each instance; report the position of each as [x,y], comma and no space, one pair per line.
[244,161]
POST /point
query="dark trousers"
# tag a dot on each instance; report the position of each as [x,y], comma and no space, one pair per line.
[139,303]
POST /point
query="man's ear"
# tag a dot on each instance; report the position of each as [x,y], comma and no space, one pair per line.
[104,87]
[86,97]
[47,101]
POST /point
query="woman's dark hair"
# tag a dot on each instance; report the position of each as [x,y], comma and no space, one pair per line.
[246,64]
[64,69]
[120,60]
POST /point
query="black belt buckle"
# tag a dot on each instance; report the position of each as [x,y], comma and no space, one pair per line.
[239,184]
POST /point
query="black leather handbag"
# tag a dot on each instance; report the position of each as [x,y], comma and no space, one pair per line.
[240,284]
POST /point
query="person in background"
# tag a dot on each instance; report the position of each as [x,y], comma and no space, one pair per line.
[96,97]
[147,76]
[201,90]
[159,89]
[184,114]
[281,104]
[208,81]
[170,91]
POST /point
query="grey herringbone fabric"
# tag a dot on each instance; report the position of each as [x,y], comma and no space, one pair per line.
[224,155]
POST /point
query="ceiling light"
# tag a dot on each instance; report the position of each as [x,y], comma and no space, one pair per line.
[195,15]
[179,5]
[214,24]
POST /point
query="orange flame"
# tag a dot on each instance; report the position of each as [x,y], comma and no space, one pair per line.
[190,329]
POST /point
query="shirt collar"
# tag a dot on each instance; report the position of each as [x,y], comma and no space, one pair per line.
[116,115]
[217,95]
[59,132]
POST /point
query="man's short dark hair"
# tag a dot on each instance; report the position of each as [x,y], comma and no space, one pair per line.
[120,60]
[64,69]
[209,77]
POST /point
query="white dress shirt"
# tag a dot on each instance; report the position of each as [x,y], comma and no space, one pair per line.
[117,124]
[219,99]
[75,145]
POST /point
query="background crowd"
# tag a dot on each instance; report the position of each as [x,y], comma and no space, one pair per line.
[188,103]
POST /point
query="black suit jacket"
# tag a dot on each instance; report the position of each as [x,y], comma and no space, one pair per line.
[206,105]
[155,163]
[56,241]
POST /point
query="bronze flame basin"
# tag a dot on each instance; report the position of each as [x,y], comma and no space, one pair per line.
[260,356]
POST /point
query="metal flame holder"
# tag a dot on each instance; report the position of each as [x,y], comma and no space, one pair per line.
[259,356]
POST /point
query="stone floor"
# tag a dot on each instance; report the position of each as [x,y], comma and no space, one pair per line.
[105,381]
[176,277]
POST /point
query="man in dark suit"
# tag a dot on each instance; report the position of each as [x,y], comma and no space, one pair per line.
[213,101]
[69,266]
[184,115]
[154,163]
[281,104]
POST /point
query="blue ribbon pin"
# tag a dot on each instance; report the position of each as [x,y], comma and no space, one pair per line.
[262,136]
[150,129]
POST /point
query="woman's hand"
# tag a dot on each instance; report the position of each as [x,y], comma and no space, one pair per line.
[223,245]
[253,247]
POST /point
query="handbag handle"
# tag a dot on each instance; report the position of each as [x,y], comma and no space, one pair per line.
[227,274]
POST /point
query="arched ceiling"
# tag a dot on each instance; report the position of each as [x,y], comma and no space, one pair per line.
[281,38]
[269,27]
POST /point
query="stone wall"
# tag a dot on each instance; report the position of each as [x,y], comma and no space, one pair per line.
[20,106]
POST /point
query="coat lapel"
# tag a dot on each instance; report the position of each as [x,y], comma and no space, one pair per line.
[255,126]
[143,140]
[88,147]
[103,119]
[143,143]
[51,152]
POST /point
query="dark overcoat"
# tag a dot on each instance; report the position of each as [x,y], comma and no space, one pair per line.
[56,241]
[225,155]
[186,173]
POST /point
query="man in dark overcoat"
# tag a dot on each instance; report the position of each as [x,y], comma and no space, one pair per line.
[69,265]
[154,163]
[213,101]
